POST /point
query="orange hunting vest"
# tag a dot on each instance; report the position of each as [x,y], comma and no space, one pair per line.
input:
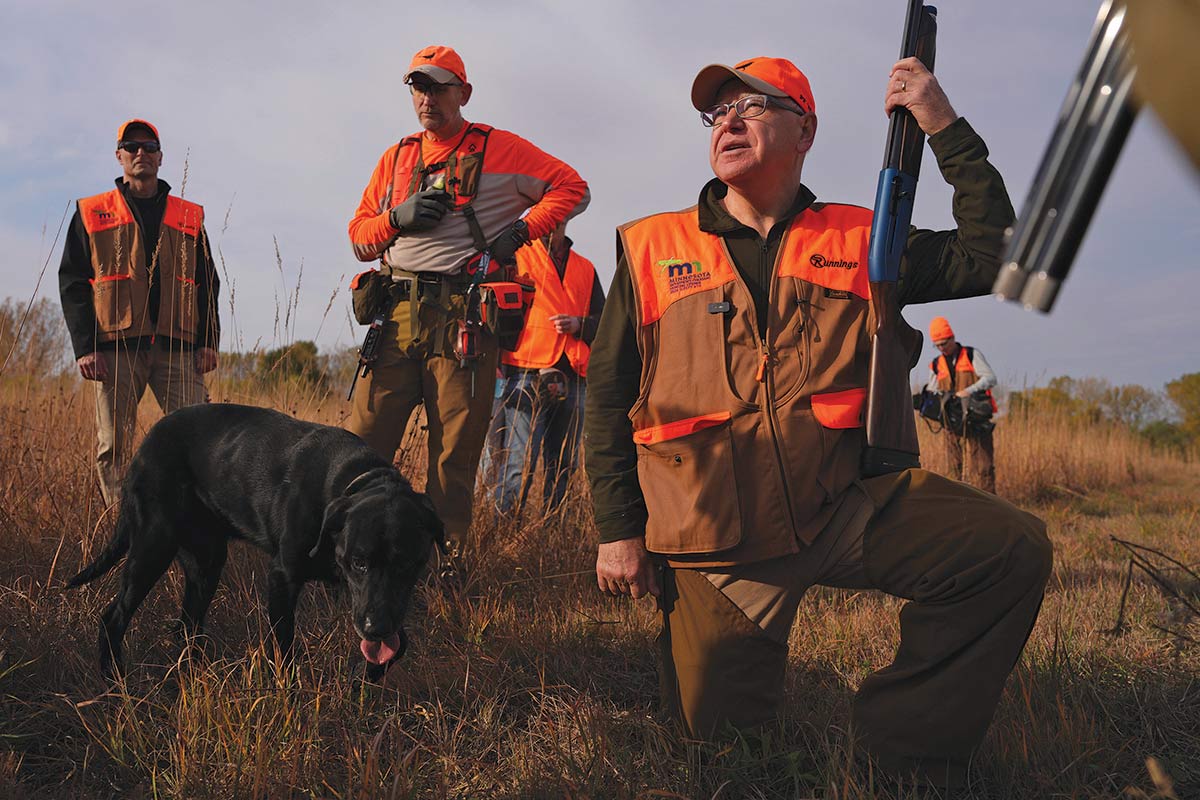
[747,439]
[964,373]
[121,282]
[540,346]
[462,168]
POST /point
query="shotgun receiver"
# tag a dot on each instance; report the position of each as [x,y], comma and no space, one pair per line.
[890,426]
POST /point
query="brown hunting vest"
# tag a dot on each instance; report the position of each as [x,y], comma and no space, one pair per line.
[746,438]
[121,282]
[541,346]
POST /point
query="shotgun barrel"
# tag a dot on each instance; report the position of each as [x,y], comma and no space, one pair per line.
[891,429]
[1092,127]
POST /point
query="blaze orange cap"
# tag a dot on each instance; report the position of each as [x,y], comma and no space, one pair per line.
[940,330]
[121,131]
[776,77]
[440,63]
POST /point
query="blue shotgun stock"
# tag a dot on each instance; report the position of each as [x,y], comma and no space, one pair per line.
[891,428]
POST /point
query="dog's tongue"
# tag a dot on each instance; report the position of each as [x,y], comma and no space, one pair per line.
[380,652]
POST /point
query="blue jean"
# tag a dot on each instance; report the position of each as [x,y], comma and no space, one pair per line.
[528,430]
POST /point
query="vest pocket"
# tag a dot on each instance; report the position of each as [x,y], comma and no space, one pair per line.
[114,306]
[840,410]
[840,419]
[687,476]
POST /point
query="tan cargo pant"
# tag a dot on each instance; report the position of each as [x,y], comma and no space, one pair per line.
[973,568]
[170,374]
[977,450]
[458,406]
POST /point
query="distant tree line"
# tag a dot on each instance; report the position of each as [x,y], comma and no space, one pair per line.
[1169,419]
[300,364]
[34,345]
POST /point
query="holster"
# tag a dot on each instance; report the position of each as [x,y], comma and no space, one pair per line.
[369,295]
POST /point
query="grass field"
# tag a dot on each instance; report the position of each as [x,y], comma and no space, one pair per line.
[530,684]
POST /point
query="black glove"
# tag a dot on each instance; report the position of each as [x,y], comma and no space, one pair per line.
[421,212]
[506,244]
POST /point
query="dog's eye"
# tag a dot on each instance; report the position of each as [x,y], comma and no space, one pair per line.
[359,565]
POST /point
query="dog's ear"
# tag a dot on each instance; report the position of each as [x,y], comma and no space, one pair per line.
[335,518]
[431,521]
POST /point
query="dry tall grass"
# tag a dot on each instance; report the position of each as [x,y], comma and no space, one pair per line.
[530,684]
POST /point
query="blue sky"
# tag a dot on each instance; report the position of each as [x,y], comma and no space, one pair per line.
[280,111]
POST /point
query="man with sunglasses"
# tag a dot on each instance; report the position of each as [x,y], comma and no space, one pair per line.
[437,201]
[139,294]
[723,434]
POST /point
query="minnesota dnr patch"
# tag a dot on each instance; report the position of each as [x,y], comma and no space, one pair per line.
[682,275]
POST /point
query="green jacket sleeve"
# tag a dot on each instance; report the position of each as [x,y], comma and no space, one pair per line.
[945,265]
[614,375]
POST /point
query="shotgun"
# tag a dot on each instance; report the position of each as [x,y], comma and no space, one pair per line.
[1092,127]
[895,346]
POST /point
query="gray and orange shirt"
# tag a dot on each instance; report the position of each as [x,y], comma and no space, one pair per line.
[727,378]
[496,173]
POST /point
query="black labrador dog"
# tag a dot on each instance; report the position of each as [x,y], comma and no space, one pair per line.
[322,502]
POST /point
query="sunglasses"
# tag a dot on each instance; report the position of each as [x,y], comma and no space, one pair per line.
[133,147]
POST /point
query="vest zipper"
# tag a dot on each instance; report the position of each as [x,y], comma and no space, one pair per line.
[764,377]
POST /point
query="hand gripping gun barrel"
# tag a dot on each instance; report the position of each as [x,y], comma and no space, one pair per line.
[890,426]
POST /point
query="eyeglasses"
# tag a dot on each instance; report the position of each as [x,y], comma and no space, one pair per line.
[435,89]
[752,105]
[133,147]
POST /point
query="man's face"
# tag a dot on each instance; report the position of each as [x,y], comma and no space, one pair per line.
[747,149]
[438,105]
[140,163]
[946,346]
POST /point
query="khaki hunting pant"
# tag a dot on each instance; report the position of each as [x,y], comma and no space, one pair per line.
[977,450]
[458,405]
[170,374]
[973,568]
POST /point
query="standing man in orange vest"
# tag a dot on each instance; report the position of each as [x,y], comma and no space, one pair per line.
[436,201]
[545,376]
[964,377]
[724,434]
[139,294]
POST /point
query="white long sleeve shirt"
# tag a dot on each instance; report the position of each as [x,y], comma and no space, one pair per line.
[987,378]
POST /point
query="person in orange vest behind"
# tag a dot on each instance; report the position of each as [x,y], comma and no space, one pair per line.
[545,375]
[139,295]
[963,376]
[724,436]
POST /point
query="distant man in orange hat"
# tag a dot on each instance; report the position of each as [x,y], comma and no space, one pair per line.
[437,200]
[965,379]
[139,294]
[723,434]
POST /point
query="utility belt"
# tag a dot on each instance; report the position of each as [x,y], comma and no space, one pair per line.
[501,303]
